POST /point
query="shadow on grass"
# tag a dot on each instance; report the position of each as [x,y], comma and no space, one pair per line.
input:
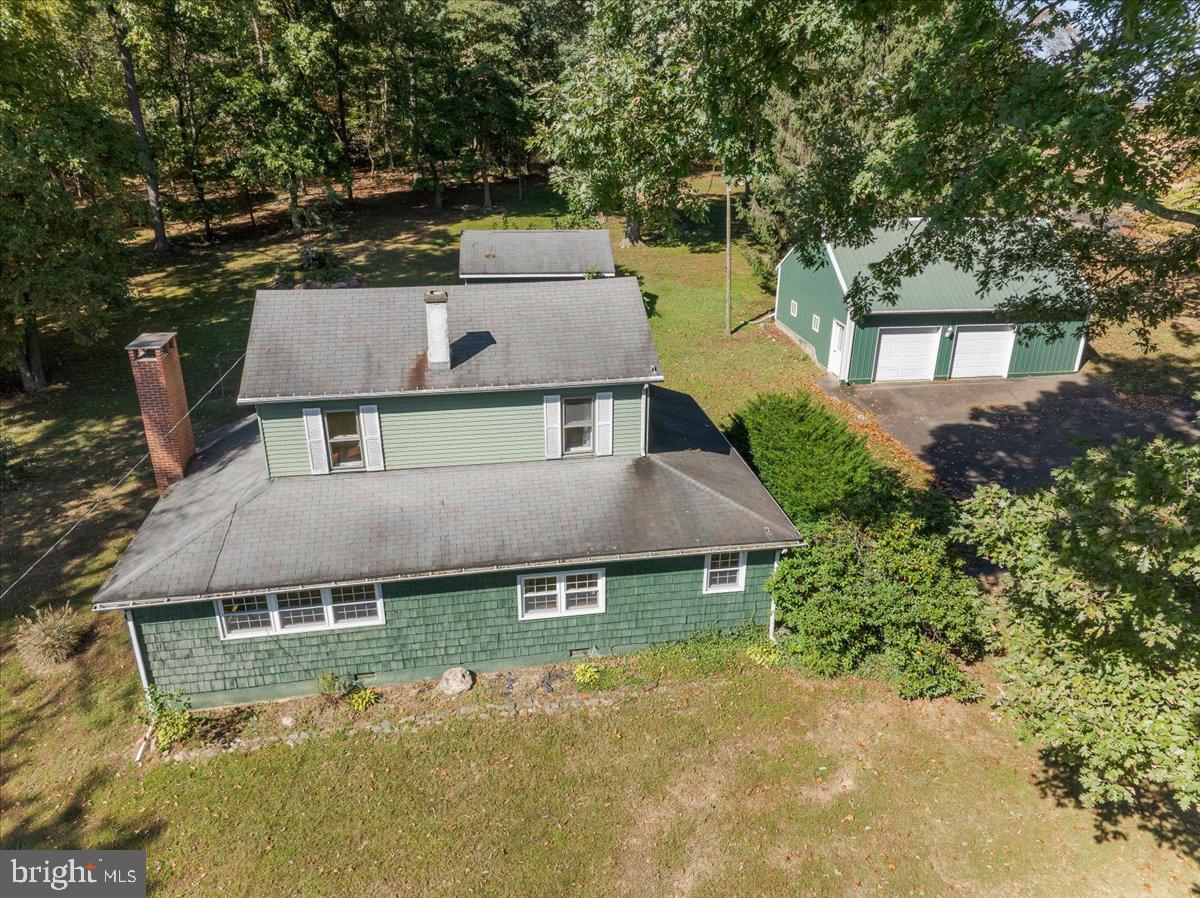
[1155,812]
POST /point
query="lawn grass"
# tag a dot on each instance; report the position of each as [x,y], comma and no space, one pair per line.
[734,781]
[1171,368]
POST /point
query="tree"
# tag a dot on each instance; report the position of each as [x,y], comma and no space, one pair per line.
[1101,615]
[134,101]
[623,129]
[62,160]
[488,84]
[1027,134]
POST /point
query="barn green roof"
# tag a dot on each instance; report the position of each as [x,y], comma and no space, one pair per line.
[940,287]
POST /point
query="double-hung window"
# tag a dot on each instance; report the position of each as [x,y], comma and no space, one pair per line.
[300,611]
[578,420]
[724,572]
[560,595]
[343,439]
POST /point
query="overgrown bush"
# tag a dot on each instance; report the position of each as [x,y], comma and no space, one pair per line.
[171,716]
[51,635]
[1100,614]
[816,468]
[849,595]
[332,686]
[761,655]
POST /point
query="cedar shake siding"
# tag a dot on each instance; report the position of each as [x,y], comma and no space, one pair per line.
[432,624]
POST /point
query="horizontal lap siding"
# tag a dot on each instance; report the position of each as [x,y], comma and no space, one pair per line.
[458,429]
[816,292]
[1036,356]
[434,624]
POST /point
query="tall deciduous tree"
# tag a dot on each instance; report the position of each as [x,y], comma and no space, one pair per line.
[62,159]
[133,99]
[1101,614]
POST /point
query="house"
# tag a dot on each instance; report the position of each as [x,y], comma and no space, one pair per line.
[942,326]
[495,256]
[477,475]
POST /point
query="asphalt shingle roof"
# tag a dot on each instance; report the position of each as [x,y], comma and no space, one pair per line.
[308,344]
[228,528]
[939,287]
[542,253]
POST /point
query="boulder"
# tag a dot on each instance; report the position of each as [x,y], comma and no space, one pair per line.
[456,680]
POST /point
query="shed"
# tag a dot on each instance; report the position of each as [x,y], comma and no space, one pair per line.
[535,255]
[943,325]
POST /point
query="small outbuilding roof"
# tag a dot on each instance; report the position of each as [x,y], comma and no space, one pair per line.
[939,287]
[327,344]
[542,254]
[227,528]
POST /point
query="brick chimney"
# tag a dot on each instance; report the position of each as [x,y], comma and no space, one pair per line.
[159,382]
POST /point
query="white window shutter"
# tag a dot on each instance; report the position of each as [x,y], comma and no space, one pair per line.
[604,423]
[372,438]
[552,413]
[314,432]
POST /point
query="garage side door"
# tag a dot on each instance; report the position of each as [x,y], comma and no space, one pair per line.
[907,353]
[982,350]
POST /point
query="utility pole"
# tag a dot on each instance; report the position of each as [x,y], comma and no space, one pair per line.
[728,259]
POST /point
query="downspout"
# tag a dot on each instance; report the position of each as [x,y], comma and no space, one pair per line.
[771,625]
[645,418]
[141,667]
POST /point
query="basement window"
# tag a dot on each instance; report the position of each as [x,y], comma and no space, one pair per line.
[560,595]
[724,572]
[300,611]
[342,437]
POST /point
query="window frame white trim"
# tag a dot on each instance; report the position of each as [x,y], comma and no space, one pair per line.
[277,630]
[362,450]
[740,586]
[561,609]
[591,449]
[815,324]
[793,308]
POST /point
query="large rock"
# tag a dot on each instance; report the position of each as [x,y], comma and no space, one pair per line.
[456,680]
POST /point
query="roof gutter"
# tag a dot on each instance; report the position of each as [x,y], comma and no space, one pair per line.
[928,311]
[579,275]
[506,388]
[124,604]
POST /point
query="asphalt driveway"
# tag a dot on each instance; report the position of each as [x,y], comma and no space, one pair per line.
[1012,432]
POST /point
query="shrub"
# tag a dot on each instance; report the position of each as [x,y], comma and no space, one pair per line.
[170,714]
[586,675]
[51,635]
[13,469]
[332,686]
[1100,615]
[763,655]
[816,468]
[849,595]
[363,698]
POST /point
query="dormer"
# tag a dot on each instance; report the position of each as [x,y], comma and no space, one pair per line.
[358,380]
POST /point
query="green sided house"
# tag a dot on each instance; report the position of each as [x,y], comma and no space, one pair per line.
[477,475]
[942,327]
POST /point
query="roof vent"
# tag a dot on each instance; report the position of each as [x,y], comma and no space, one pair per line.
[437,326]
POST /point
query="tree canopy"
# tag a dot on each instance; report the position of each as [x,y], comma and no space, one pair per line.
[1101,613]
[1027,135]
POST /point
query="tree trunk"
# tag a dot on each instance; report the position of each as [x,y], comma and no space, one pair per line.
[133,98]
[437,186]
[520,186]
[294,207]
[633,232]
[198,184]
[250,206]
[728,258]
[487,181]
[29,357]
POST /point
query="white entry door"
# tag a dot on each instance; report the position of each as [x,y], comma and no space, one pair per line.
[837,344]
[982,350]
[907,353]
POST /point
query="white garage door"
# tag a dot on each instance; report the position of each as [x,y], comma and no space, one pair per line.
[907,353]
[982,350]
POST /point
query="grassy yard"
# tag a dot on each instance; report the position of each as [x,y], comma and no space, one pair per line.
[730,781]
